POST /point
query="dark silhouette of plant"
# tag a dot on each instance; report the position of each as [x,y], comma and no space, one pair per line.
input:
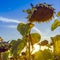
[4,46]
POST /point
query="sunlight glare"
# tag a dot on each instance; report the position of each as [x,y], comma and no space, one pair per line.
[43,47]
[36,48]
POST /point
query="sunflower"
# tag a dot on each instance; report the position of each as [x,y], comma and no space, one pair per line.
[40,13]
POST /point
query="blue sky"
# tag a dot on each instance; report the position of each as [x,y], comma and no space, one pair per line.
[11,14]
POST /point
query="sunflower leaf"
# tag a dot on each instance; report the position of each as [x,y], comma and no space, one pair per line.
[58,14]
[24,28]
[35,37]
[17,47]
[5,55]
[55,24]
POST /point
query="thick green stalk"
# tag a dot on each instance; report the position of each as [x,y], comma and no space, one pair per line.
[29,48]
[54,51]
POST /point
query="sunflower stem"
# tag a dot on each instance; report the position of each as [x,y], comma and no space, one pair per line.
[29,47]
[0,56]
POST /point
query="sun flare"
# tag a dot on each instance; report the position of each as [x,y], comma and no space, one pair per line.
[36,48]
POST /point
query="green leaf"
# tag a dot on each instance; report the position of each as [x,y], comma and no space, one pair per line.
[27,11]
[24,28]
[20,25]
[55,24]
[56,46]
[43,55]
[38,55]
[58,14]
[5,55]
[35,37]
[55,38]
[47,54]
[17,47]
[12,42]
[21,28]
[21,46]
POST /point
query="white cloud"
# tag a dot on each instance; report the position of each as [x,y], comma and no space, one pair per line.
[37,30]
[12,26]
[44,35]
[3,19]
[47,33]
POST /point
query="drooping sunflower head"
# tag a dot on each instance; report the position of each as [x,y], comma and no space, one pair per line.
[40,13]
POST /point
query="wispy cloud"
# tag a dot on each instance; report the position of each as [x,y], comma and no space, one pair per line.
[44,35]
[12,26]
[3,19]
[37,30]
[47,33]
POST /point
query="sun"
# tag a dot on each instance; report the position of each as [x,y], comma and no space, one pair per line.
[44,47]
[36,48]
